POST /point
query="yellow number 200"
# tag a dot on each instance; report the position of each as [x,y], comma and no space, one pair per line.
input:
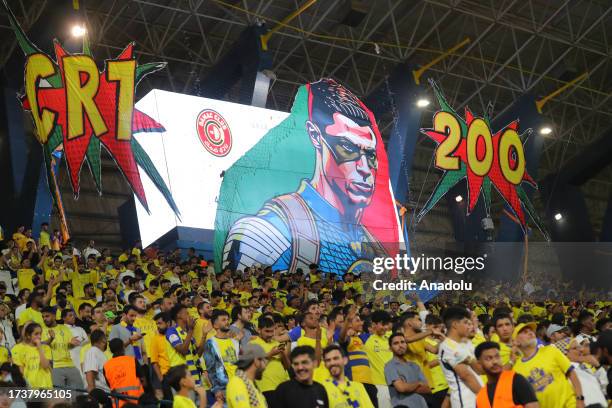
[446,123]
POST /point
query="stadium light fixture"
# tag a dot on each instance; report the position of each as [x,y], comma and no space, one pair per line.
[422,103]
[545,130]
[78,30]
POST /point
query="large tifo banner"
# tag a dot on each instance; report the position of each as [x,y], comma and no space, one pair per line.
[314,189]
[279,189]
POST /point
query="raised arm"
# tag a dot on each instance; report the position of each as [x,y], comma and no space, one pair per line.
[343,337]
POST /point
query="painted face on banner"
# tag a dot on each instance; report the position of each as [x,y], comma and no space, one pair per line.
[350,164]
[347,142]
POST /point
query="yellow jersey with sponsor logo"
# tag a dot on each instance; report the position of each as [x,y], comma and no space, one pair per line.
[60,346]
[237,395]
[28,358]
[275,373]
[379,354]
[546,371]
[348,394]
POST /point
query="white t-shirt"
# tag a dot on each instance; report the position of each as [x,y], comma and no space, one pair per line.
[94,361]
[5,276]
[20,310]
[451,354]
[75,352]
[591,388]
[123,274]
[91,251]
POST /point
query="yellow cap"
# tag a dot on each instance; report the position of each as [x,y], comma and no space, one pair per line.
[521,326]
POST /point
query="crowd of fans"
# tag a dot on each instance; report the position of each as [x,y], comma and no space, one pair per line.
[145,327]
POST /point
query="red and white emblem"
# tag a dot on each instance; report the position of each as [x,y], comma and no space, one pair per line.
[214,132]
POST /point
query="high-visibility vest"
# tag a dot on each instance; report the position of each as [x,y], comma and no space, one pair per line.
[503,393]
[120,372]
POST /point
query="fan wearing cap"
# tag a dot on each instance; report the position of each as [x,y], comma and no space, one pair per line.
[556,332]
[586,366]
[546,369]
[241,390]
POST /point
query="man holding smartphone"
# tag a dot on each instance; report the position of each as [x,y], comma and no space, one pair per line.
[278,359]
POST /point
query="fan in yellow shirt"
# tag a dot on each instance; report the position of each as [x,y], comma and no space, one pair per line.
[147,326]
[241,390]
[309,334]
[184,383]
[81,277]
[417,347]
[438,381]
[59,337]
[376,347]
[44,238]
[158,355]
[20,238]
[54,269]
[547,370]
[503,329]
[351,283]
[89,297]
[341,392]
[152,293]
[32,313]
[276,370]
[25,275]
[203,325]
[181,380]
[34,358]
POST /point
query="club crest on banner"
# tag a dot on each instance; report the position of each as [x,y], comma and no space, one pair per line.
[214,132]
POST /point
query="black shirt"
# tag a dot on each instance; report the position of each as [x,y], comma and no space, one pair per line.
[522,391]
[84,324]
[294,394]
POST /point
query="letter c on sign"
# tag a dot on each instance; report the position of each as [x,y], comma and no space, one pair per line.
[39,66]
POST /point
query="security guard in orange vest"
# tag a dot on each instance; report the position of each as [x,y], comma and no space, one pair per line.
[123,374]
[504,389]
